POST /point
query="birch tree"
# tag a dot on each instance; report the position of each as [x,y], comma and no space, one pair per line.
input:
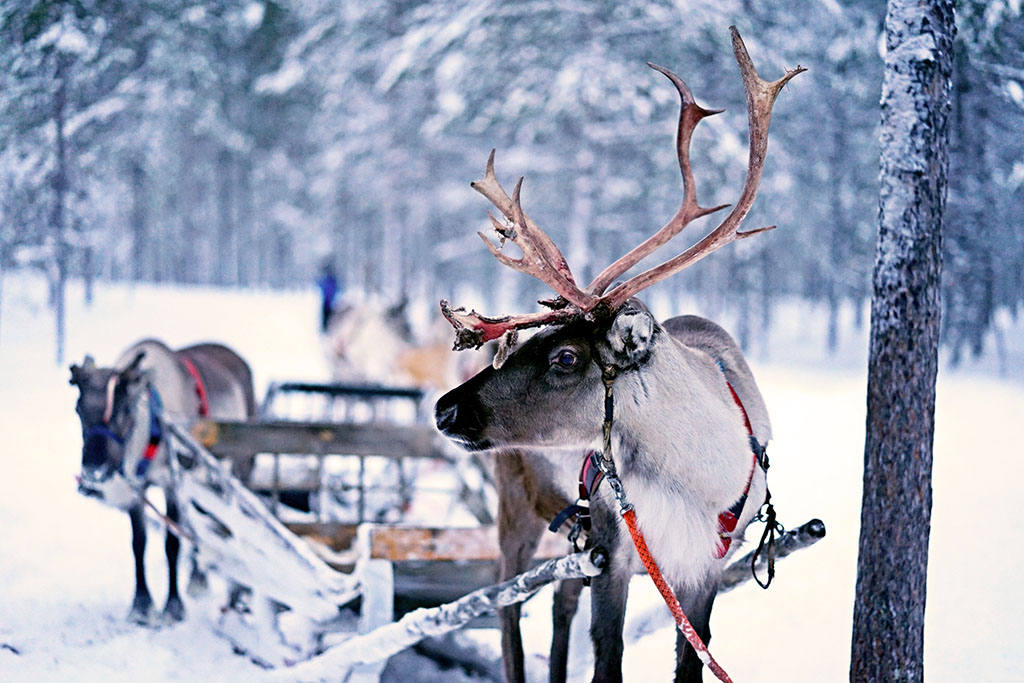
[888,624]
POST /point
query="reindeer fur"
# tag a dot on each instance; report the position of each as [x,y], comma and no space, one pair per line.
[679,442]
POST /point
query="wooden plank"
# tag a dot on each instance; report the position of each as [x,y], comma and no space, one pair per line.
[239,439]
[415,544]
[425,584]
[405,543]
[377,608]
[339,389]
[334,535]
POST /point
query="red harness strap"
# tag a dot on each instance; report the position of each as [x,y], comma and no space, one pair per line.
[727,519]
[204,402]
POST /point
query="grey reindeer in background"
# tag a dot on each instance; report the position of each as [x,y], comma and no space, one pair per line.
[121,409]
[689,425]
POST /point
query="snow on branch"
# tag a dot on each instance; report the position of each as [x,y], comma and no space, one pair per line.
[422,623]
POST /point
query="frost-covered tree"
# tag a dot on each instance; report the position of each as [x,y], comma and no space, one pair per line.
[60,90]
[888,622]
[243,142]
[983,248]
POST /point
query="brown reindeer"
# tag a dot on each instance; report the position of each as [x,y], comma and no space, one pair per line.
[689,422]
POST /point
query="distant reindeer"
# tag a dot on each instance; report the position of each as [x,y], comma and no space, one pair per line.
[369,343]
[689,424]
[123,446]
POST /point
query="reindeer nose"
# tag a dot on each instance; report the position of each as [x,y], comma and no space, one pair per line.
[446,416]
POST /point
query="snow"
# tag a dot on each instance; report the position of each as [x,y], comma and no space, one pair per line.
[65,562]
[281,81]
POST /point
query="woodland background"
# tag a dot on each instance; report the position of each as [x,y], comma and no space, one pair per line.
[246,143]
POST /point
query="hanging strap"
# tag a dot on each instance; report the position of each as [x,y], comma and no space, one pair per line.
[607,465]
[682,623]
[590,479]
[204,401]
[156,433]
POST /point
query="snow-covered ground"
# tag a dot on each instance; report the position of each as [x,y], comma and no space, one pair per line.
[65,562]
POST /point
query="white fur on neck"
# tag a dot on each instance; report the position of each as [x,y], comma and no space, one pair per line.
[683,455]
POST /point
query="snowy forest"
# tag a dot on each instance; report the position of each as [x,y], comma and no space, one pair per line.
[246,143]
[206,175]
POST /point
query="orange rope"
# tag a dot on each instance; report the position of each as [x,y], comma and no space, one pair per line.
[670,599]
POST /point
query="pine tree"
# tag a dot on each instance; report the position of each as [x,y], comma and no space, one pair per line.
[888,628]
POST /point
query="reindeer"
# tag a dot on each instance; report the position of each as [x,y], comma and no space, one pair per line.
[121,409]
[689,425]
[366,342]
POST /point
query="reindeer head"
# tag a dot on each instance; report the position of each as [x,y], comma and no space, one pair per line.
[106,405]
[548,391]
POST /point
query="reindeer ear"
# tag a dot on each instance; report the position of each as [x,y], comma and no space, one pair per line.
[132,373]
[78,372]
[631,336]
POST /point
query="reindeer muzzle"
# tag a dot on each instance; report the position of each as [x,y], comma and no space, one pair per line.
[460,417]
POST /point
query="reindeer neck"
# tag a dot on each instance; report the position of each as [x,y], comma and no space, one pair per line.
[675,427]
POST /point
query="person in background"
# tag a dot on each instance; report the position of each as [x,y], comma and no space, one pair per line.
[328,284]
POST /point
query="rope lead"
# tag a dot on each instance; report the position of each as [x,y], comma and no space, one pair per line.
[607,465]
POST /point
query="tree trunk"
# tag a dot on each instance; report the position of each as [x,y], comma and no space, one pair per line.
[247,233]
[3,272]
[223,262]
[888,626]
[766,282]
[580,221]
[838,260]
[139,225]
[89,273]
[57,217]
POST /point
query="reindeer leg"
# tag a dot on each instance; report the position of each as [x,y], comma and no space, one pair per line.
[174,610]
[519,531]
[142,604]
[563,609]
[697,606]
[608,597]
[198,585]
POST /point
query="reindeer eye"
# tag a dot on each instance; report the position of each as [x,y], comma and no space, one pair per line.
[566,359]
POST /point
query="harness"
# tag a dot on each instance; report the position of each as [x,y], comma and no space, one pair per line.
[204,401]
[156,409]
[591,476]
[156,430]
[599,465]
[727,519]
[103,428]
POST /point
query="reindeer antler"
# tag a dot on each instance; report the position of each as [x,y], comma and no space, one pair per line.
[690,114]
[542,259]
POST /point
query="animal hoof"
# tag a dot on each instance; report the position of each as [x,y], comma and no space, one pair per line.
[198,585]
[174,611]
[142,613]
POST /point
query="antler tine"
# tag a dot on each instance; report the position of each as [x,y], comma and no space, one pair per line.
[690,114]
[761,96]
[472,329]
[541,258]
[490,188]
